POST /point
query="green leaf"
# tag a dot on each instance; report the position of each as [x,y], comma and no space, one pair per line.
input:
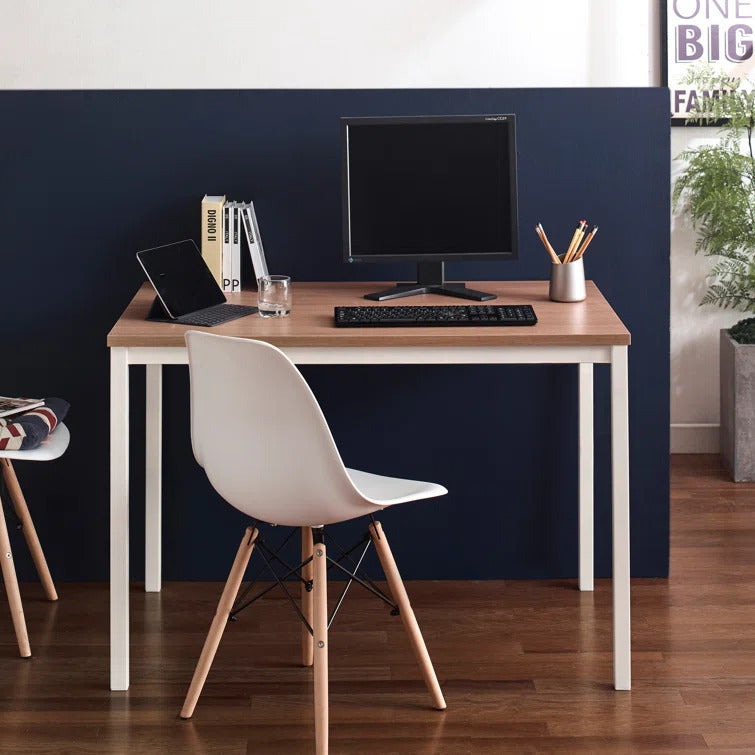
[716,188]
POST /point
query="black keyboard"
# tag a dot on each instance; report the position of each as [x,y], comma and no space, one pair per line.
[216,315]
[397,316]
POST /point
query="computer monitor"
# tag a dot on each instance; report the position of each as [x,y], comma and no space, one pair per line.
[430,190]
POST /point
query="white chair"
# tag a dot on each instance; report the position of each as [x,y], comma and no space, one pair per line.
[52,448]
[261,437]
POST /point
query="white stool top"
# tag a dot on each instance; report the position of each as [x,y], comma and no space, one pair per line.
[52,448]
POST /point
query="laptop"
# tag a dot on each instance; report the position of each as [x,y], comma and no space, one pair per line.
[187,292]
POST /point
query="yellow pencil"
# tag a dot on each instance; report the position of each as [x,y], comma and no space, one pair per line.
[550,246]
[576,238]
[586,243]
[570,246]
[541,235]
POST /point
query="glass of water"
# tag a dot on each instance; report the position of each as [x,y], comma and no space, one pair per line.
[274,295]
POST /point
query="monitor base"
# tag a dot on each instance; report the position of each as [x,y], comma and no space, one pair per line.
[413,289]
[430,280]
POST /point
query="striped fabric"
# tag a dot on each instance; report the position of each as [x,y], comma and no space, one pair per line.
[22,432]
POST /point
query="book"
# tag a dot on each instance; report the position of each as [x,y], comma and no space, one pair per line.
[212,235]
[227,232]
[9,405]
[235,249]
[254,240]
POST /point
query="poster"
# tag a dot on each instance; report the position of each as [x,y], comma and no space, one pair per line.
[715,32]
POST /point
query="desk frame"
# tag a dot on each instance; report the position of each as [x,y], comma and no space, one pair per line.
[121,357]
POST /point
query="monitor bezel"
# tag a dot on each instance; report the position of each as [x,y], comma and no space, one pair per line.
[389,120]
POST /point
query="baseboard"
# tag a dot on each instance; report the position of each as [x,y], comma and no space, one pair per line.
[694,438]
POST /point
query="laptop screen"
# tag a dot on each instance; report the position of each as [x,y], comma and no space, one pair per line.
[181,277]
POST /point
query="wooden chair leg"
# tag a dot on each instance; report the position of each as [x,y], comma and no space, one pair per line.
[320,626]
[307,642]
[230,591]
[27,525]
[11,588]
[407,614]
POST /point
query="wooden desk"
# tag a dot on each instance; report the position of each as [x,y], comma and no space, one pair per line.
[585,334]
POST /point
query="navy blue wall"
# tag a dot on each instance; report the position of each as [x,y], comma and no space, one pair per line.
[88,178]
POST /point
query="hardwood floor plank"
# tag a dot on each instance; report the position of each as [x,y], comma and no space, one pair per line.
[526,667]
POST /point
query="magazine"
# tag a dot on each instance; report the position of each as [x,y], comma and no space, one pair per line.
[10,405]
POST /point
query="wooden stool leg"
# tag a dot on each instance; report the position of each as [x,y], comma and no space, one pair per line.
[27,525]
[407,614]
[320,627]
[230,591]
[11,587]
[307,642]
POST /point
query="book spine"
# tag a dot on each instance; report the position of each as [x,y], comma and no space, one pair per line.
[212,235]
[258,238]
[236,249]
[227,256]
[254,241]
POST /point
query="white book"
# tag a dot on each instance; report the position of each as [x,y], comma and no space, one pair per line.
[227,256]
[236,248]
[254,240]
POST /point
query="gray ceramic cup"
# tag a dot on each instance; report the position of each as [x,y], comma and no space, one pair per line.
[568,281]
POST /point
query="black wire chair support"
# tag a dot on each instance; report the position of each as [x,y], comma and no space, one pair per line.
[294,573]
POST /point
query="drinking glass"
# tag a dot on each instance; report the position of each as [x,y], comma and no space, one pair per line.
[274,295]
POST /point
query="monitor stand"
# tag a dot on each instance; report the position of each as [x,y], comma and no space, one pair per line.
[430,280]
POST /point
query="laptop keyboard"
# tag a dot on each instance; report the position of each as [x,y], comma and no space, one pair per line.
[220,313]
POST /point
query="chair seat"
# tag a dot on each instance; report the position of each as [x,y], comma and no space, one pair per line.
[50,449]
[388,491]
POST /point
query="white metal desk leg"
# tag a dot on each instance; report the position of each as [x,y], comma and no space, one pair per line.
[119,607]
[153,480]
[586,472]
[622,658]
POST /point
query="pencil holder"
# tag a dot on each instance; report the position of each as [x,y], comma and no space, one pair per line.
[568,281]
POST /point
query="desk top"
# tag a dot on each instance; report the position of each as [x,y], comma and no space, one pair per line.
[588,323]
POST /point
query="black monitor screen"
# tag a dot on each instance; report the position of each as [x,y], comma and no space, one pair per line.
[430,187]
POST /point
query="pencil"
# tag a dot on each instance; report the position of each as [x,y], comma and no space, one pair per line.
[541,235]
[547,242]
[586,243]
[576,238]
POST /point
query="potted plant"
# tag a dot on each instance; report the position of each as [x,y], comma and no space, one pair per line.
[716,190]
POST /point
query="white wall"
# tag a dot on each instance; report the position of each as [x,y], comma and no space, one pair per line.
[72,44]
[694,329]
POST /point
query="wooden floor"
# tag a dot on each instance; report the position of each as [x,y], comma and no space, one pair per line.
[525,666]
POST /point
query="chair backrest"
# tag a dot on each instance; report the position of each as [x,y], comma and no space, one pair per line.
[260,435]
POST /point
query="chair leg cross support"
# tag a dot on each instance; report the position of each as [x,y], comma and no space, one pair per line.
[303,573]
[352,577]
